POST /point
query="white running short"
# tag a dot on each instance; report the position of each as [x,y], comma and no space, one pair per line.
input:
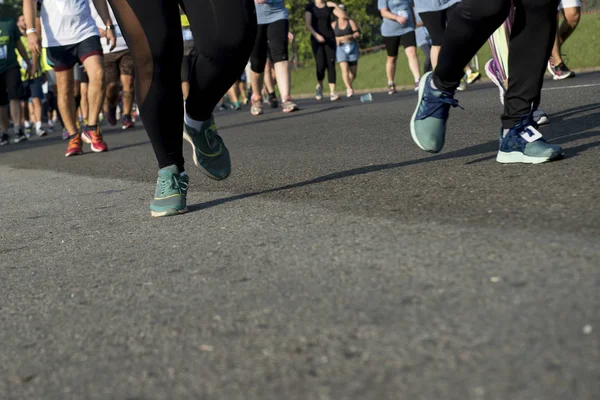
[569,4]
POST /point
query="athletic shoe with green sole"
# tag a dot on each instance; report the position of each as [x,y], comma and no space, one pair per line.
[210,153]
[171,193]
[428,123]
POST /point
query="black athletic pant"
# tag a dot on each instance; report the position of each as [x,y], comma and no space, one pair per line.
[531,43]
[224,32]
[325,58]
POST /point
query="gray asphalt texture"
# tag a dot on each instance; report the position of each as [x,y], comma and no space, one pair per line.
[339,261]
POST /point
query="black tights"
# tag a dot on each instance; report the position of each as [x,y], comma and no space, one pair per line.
[531,42]
[325,58]
[224,32]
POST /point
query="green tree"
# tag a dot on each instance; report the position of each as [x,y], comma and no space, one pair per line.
[11,8]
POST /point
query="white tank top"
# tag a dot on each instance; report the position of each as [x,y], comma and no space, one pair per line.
[66,22]
[121,44]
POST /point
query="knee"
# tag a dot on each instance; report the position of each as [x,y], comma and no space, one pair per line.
[96,76]
[572,16]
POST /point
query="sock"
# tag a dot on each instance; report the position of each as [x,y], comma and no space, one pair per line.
[38,125]
[468,71]
[183,173]
[50,123]
[197,125]
[93,128]
[390,83]
[27,124]
[504,132]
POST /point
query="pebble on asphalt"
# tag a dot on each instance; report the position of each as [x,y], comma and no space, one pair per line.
[587,329]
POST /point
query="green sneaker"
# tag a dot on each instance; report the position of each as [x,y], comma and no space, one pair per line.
[210,153]
[428,123]
[171,192]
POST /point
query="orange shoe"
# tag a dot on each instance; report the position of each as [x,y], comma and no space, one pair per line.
[74,147]
[94,138]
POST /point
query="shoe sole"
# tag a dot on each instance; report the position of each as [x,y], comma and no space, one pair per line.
[561,77]
[126,127]
[550,70]
[422,84]
[98,151]
[77,153]
[196,163]
[515,157]
[168,213]
[289,110]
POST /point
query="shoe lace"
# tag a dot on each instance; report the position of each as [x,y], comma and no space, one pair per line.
[212,137]
[434,103]
[173,184]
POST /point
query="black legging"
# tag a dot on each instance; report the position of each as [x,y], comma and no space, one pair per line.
[532,38]
[325,58]
[224,32]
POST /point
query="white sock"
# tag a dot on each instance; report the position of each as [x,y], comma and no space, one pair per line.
[504,132]
[50,123]
[197,125]
[38,125]
[183,173]
[27,124]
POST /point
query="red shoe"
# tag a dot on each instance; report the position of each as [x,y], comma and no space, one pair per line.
[94,139]
[127,122]
[74,146]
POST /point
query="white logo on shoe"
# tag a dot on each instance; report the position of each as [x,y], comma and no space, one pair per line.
[530,134]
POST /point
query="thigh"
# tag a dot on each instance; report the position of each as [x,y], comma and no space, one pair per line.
[35,87]
[94,65]
[258,57]
[277,35]
[14,87]
[111,67]
[435,22]
[408,40]
[3,90]
[126,66]
[391,45]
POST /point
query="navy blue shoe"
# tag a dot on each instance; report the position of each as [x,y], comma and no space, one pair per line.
[428,123]
[524,144]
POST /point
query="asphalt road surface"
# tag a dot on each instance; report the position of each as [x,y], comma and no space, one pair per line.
[338,262]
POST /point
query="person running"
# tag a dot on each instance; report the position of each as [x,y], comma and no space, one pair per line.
[435,15]
[346,35]
[70,35]
[318,18]
[571,12]
[471,25]
[152,29]
[272,38]
[32,84]
[10,79]
[398,29]
[118,67]
[497,68]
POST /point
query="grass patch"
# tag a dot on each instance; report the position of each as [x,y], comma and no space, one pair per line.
[581,52]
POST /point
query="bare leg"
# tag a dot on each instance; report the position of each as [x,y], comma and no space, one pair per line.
[94,66]
[15,113]
[390,68]
[185,89]
[570,22]
[66,100]
[346,75]
[257,84]
[433,54]
[4,122]
[268,79]
[413,62]
[282,73]
[84,103]
[352,72]
[128,93]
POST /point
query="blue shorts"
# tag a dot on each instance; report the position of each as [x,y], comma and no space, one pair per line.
[33,89]
[347,52]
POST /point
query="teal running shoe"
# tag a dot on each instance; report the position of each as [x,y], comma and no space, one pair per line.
[428,123]
[210,153]
[524,144]
[171,193]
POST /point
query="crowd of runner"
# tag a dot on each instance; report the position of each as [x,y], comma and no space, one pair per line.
[68,62]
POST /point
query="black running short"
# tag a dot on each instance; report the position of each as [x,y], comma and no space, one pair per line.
[272,42]
[10,85]
[63,58]
[392,43]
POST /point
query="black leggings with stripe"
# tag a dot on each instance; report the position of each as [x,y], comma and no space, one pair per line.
[224,32]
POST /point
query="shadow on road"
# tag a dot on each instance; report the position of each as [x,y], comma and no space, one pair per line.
[579,127]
